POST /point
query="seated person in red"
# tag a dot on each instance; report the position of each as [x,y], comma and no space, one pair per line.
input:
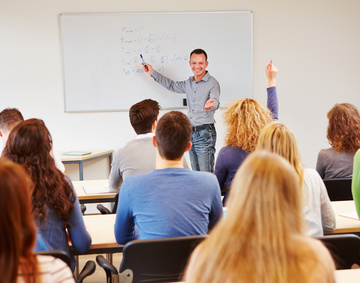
[170,201]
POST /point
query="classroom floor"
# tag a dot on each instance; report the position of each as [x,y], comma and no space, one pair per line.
[99,275]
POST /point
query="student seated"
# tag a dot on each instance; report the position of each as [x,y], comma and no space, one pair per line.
[343,134]
[55,206]
[137,156]
[9,118]
[170,201]
[244,120]
[318,212]
[18,233]
[262,237]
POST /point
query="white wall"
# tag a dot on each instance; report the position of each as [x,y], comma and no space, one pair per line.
[315,45]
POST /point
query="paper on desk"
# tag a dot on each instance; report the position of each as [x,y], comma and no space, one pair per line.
[352,215]
[96,189]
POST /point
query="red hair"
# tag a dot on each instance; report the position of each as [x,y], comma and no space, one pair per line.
[18,233]
[344,127]
[29,144]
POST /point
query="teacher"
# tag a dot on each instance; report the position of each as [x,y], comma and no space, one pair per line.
[202,95]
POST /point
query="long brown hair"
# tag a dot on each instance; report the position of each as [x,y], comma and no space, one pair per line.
[29,144]
[18,233]
[343,130]
[261,237]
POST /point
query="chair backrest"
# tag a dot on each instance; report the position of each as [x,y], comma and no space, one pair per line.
[158,260]
[339,189]
[344,249]
[58,254]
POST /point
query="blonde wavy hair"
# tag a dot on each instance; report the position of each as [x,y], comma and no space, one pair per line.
[261,239]
[278,138]
[245,119]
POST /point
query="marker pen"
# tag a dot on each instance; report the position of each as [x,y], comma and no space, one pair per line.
[143,62]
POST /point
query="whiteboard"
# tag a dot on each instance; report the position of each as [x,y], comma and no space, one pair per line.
[102,64]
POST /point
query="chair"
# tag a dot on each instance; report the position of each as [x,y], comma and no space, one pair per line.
[339,189]
[88,269]
[154,260]
[344,249]
[83,209]
[104,210]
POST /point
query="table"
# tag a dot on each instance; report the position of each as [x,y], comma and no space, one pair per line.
[93,198]
[101,230]
[81,159]
[347,276]
[343,224]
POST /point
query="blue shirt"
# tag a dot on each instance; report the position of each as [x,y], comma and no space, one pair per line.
[53,234]
[167,203]
[197,93]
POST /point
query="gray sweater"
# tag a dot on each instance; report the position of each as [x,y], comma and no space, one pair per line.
[137,157]
[331,164]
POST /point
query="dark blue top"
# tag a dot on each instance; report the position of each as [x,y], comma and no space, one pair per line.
[166,203]
[53,233]
[230,158]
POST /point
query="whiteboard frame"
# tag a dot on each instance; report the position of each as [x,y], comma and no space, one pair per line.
[149,13]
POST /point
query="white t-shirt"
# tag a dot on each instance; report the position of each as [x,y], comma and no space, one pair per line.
[51,270]
[317,208]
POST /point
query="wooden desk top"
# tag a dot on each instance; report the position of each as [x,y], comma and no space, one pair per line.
[343,224]
[101,230]
[78,186]
[347,276]
[93,154]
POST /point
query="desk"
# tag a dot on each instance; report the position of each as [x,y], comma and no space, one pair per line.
[343,224]
[96,154]
[347,276]
[101,230]
[92,198]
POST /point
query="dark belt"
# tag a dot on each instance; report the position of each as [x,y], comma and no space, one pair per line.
[203,127]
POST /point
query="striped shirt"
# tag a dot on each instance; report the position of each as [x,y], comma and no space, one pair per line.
[50,270]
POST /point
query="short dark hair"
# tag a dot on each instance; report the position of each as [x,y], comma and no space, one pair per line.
[10,117]
[173,133]
[143,114]
[198,51]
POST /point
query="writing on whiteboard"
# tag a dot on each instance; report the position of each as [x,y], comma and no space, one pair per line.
[134,40]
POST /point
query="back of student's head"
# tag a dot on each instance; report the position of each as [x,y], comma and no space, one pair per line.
[18,234]
[173,133]
[143,114]
[343,130]
[29,144]
[255,242]
[278,138]
[10,117]
[29,141]
[244,120]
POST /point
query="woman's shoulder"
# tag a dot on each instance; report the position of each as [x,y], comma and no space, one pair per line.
[51,269]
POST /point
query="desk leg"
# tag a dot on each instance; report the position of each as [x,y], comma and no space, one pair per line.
[110,161]
[81,171]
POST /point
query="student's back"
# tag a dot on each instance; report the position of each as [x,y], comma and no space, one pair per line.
[55,206]
[170,201]
[18,233]
[262,239]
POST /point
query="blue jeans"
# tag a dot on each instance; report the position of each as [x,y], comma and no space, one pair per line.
[203,149]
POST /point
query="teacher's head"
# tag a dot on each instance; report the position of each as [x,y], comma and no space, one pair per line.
[198,63]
